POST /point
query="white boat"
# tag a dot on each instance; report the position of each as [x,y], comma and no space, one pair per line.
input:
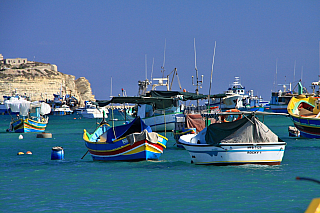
[244,141]
[62,110]
[92,111]
[236,98]
[159,120]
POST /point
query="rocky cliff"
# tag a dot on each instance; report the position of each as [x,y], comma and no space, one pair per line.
[40,81]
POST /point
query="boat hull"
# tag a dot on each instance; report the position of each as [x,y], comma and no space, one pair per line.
[161,123]
[28,125]
[123,151]
[309,124]
[277,108]
[236,154]
[308,128]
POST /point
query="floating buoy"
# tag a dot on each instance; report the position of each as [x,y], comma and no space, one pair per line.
[20,153]
[20,136]
[29,153]
[44,135]
[57,153]
[74,118]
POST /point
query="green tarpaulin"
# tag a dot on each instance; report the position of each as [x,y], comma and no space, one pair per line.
[184,96]
[217,132]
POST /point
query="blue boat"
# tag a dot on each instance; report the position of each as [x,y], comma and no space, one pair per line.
[130,142]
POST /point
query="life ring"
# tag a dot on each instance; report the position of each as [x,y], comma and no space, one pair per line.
[223,117]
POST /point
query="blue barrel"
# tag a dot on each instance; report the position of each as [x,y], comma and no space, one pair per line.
[57,153]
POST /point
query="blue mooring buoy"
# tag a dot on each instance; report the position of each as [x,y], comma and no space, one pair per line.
[57,153]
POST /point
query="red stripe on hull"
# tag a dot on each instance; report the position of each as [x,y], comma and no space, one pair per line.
[124,149]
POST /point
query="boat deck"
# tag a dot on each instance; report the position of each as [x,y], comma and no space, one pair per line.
[306,113]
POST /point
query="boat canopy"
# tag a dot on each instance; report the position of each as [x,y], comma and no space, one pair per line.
[184,96]
[137,125]
[246,130]
[162,99]
[163,102]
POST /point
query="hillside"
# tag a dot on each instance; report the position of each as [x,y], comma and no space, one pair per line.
[40,81]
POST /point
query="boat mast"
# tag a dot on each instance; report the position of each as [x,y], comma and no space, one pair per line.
[199,83]
[164,58]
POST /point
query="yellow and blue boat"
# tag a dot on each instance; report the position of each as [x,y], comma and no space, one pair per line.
[305,114]
[134,141]
[31,116]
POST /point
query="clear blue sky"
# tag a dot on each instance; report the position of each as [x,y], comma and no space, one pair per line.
[100,39]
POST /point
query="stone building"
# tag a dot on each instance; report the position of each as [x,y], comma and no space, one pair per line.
[15,61]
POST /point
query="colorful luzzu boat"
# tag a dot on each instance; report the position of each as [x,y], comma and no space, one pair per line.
[130,142]
[305,114]
[31,116]
[29,125]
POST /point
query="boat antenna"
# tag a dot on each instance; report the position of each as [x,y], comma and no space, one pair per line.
[152,70]
[164,58]
[111,88]
[276,75]
[214,53]
[195,53]
[145,64]
[294,71]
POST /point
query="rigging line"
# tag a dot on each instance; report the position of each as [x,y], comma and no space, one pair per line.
[214,53]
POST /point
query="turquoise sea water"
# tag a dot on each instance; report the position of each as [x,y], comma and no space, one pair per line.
[35,183]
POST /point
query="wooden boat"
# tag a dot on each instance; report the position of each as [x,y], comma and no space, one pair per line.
[304,112]
[130,142]
[244,141]
[31,116]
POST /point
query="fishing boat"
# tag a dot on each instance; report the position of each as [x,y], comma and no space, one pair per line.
[236,98]
[31,116]
[192,122]
[130,142]
[305,114]
[157,109]
[243,141]
[91,110]
[61,110]
[279,101]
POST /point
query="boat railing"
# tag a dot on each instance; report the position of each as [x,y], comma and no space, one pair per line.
[194,109]
[213,114]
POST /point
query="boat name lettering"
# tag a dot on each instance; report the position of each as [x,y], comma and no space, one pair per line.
[253,152]
[254,147]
